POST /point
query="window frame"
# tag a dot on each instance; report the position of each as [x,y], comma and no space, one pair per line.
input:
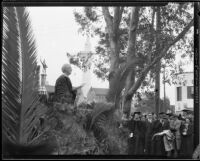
[179,95]
[189,95]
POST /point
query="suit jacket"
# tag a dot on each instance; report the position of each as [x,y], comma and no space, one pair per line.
[176,126]
[63,90]
[136,143]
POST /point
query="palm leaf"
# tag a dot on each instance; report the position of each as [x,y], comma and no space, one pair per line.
[101,108]
[21,107]
[10,74]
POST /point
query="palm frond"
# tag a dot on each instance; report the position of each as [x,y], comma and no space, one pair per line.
[31,109]
[11,83]
[21,106]
[101,108]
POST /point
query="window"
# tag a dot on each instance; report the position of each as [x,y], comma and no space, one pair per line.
[179,93]
[190,92]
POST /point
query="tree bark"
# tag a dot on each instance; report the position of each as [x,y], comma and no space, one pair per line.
[130,79]
[158,66]
[112,25]
[157,88]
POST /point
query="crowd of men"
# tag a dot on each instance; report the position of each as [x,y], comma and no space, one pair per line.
[166,135]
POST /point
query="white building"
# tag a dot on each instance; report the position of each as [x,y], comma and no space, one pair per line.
[184,91]
[97,94]
[87,75]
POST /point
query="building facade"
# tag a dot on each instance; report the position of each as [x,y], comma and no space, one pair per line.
[184,92]
[87,74]
[97,95]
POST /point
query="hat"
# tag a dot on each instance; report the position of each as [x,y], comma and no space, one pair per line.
[137,113]
[175,115]
[169,114]
[186,110]
[161,113]
[164,116]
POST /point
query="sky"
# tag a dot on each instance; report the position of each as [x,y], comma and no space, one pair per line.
[56,33]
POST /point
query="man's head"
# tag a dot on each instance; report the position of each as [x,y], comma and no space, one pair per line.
[67,69]
[170,116]
[160,115]
[143,117]
[154,116]
[149,116]
[136,116]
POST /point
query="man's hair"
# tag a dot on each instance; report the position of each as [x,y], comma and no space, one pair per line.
[65,68]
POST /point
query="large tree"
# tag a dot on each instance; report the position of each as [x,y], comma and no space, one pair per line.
[132,42]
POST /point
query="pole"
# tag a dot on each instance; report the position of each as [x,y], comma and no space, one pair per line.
[164,89]
[158,66]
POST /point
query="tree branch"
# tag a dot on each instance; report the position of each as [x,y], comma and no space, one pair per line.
[108,19]
[152,32]
[182,34]
[117,17]
[142,76]
[153,17]
[132,30]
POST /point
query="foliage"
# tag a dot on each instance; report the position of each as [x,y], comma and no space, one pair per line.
[21,108]
[133,54]
[174,18]
[85,131]
[147,103]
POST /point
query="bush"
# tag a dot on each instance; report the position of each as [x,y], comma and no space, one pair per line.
[83,130]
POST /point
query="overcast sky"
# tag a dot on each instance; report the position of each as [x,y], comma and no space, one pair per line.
[56,33]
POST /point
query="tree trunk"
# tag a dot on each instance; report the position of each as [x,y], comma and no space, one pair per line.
[158,66]
[157,89]
[164,100]
[113,69]
[130,79]
[114,62]
[126,104]
[112,24]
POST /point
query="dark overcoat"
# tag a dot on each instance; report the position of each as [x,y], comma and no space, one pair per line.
[157,148]
[186,149]
[148,137]
[136,143]
[63,90]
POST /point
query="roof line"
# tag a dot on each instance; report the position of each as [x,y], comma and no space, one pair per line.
[183,73]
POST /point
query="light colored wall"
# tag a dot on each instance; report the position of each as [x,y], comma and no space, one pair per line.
[91,96]
[189,78]
[100,98]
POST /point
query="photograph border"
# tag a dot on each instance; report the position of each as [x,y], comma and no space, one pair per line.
[127,3]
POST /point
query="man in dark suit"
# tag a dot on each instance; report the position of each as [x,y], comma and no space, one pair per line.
[148,134]
[64,93]
[135,141]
